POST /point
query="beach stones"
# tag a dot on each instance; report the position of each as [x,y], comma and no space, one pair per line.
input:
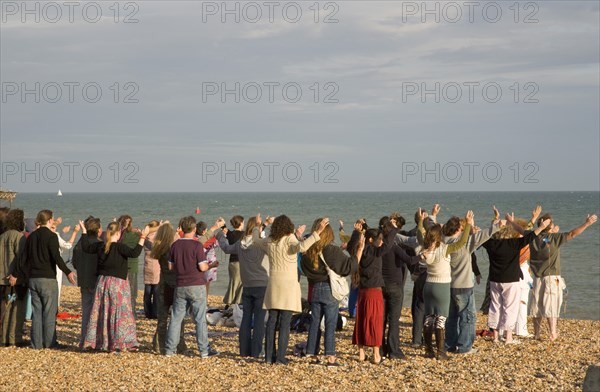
[531,365]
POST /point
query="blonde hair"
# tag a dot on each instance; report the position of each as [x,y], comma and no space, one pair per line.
[251,225]
[326,238]
[112,229]
[162,241]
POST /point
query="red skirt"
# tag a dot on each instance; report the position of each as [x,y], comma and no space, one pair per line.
[368,329]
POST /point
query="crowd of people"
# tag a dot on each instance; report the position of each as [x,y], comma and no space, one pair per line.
[267,261]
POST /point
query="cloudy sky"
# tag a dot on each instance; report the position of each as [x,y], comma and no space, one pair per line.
[255,96]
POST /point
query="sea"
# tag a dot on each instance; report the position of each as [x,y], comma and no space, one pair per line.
[580,258]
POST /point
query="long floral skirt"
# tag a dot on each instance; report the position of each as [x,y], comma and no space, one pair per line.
[111,326]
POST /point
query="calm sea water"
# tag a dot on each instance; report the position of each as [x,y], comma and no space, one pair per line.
[580,257]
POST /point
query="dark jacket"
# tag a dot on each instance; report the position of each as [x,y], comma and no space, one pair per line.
[86,264]
[335,258]
[42,256]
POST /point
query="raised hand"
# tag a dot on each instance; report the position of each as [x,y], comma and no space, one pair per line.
[496,213]
[82,225]
[300,230]
[545,223]
[469,217]
[258,219]
[66,229]
[591,219]
[510,217]
[269,220]
[422,214]
[220,222]
[435,210]
[145,231]
[536,213]
[324,222]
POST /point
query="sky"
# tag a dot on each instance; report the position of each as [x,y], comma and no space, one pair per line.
[173,96]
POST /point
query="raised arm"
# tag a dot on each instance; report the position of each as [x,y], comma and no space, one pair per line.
[402,239]
[420,228]
[590,220]
[262,243]
[126,251]
[402,257]
[465,235]
[510,218]
[302,246]
[534,215]
[226,246]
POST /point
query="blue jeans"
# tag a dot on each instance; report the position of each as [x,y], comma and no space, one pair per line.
[460,325]
[151,301]
[87,302]
[284,317]
[418,308]
[251,339]
[44,304]
[194,298]
[322,303]
[28,309]
[352,299]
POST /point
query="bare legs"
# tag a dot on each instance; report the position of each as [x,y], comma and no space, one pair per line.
[362,355]
[552,325]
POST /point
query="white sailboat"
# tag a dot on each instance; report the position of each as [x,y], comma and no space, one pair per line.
[59,193]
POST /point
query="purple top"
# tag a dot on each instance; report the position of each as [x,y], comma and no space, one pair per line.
[185,255]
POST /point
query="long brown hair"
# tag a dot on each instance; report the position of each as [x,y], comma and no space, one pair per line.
[126,223]
[3,213]
[282,227]
[326,238]
[433,236]
[15,220]
[112,229]
[165,236]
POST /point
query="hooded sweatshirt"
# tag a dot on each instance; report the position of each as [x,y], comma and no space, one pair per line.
[254,262]
[460,261]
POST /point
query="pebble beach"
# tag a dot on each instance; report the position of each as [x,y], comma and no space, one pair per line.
[531,365]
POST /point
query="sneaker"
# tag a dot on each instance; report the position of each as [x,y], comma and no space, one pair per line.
[336,364]
[528,336]
[210,353]
[169,354]
[283,361]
